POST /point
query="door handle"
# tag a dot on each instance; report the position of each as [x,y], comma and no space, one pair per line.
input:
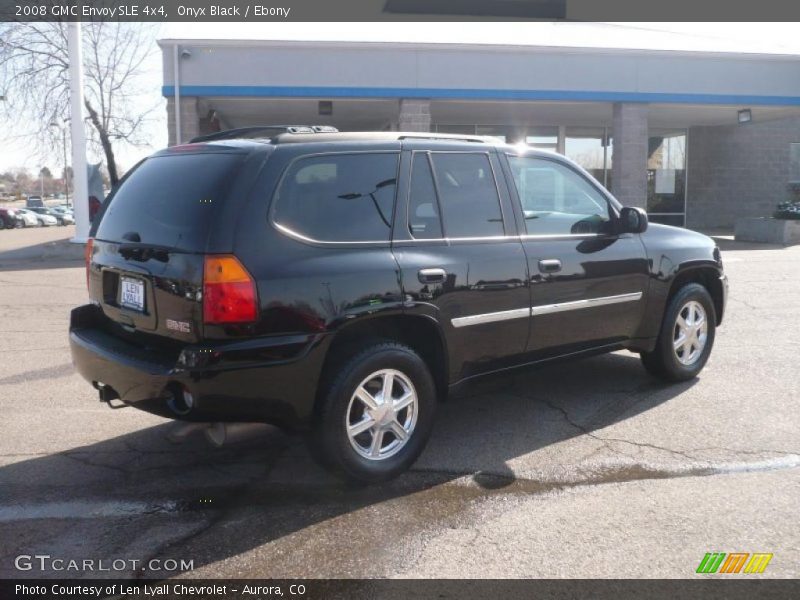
[550,265]
[431,275]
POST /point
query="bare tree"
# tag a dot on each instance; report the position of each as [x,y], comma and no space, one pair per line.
[34,77]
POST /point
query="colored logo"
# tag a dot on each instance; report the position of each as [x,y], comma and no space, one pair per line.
[735,562]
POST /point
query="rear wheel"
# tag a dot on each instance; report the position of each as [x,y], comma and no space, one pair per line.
[376,413]
[686,337]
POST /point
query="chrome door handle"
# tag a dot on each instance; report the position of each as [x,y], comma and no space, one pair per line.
[550,265]
[431,275]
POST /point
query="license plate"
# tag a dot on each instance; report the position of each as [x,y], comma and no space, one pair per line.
[131,293]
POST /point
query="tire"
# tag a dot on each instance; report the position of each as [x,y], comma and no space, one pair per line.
[355,457]
[671,362]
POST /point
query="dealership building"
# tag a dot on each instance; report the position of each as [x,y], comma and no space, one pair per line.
[699,139]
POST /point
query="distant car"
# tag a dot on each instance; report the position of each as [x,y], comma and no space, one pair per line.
[34,202]
[27,218]
[43,215]
[62,215]
[10,219]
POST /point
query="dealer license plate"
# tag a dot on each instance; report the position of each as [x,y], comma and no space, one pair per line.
[131,293]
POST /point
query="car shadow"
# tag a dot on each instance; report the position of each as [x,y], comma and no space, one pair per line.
[261,489]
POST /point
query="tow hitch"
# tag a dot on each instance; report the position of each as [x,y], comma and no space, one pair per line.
[108,394]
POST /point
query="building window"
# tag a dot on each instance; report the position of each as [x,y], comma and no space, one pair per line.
[666,176]
[456,129]
[545,138]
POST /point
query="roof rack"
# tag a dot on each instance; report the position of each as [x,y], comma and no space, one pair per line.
[478,139]
[240,132]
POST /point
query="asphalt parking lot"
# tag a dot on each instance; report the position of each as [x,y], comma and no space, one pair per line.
[583,469]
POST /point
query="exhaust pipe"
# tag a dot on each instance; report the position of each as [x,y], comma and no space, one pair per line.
[180,401]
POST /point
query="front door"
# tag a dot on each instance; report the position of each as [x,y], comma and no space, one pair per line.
[460,258]
[588,284]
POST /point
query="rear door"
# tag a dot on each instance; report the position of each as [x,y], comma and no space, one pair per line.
[147,264]
[460,259]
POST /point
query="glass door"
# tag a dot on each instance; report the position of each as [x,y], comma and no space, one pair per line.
[666,177]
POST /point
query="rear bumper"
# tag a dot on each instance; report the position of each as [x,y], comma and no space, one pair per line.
[271,379]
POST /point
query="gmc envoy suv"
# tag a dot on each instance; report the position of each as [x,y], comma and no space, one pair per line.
[341,284]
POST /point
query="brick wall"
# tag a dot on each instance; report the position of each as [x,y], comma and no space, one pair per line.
[738,171]
[415,115]
[629,167]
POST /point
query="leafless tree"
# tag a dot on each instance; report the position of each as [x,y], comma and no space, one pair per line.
[34,77]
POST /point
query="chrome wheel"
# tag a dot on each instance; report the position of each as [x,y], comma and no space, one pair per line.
[690,333]
[382,414]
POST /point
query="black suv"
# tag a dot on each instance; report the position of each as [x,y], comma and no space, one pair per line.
[343,283]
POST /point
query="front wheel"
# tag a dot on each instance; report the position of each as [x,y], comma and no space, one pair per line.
[376,414]
[686,337]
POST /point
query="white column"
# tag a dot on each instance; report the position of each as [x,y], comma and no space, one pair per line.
[80,198]
[176,84]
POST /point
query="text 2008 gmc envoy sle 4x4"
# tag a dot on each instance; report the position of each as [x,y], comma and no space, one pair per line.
[342,283]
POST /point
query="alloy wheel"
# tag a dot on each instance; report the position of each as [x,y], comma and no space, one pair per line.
[690,333]
[382,414]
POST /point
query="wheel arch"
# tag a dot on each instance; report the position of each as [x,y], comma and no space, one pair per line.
[419,332]
[707,275]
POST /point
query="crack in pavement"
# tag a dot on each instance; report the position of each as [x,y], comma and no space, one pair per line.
[687,454]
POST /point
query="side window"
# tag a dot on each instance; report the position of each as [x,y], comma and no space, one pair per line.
[423,209]
[468,195]
[339,197]
[556,200]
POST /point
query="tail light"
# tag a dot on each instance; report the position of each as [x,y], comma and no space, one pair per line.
[229,292]
[87,257]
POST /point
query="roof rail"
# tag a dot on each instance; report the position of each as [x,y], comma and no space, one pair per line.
[240,132]
[445,136]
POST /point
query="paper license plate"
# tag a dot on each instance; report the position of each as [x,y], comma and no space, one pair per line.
[131,293]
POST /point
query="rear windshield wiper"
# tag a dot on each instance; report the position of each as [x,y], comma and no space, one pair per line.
[143,251]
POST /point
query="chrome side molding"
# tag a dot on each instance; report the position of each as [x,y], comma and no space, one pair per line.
[504,315]
[544,309]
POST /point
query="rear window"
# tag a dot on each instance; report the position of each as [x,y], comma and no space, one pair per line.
[171,200]
[339,197]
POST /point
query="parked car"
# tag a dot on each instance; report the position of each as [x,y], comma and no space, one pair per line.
[342,283]
[34,202]
[27,217]
[62,215]
[43,215]
[10,219]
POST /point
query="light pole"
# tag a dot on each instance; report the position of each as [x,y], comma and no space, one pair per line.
[63,128]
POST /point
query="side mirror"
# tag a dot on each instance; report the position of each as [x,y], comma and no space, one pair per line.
[632,219]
